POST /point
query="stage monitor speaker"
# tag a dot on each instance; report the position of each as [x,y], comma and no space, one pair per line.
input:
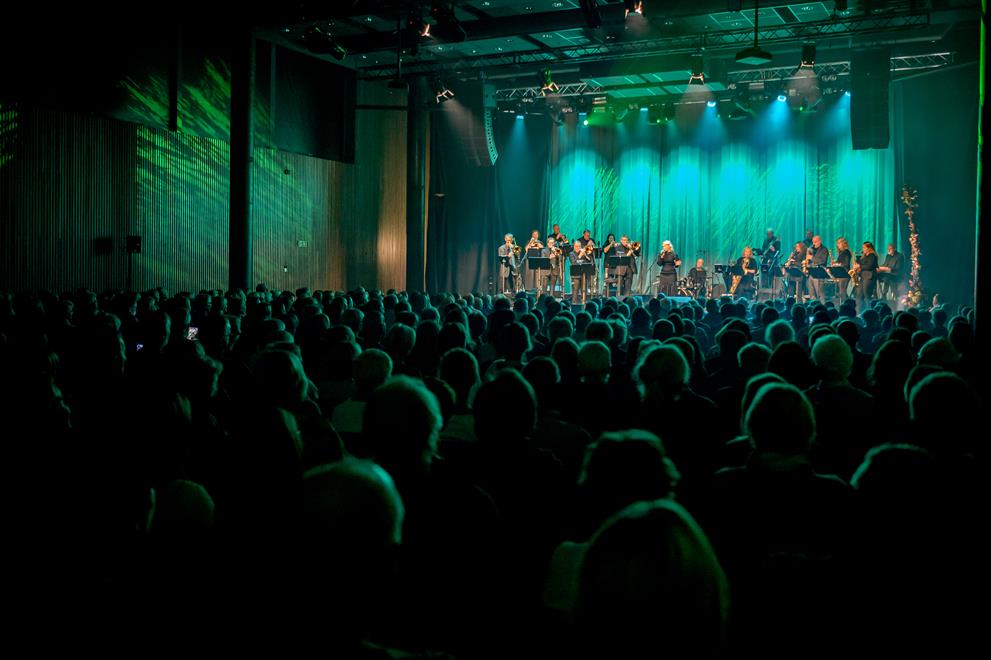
[870,77]
[132,244]
[472,122]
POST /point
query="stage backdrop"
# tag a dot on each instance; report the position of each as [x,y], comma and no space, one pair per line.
[713,186]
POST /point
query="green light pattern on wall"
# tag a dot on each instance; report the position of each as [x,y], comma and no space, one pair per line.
[8,132]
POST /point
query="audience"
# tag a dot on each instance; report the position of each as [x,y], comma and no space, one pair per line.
[397,473]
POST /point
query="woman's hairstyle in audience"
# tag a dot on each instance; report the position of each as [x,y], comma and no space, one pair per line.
[763,420]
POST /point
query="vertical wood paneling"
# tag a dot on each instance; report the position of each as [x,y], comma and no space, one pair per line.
[72,187]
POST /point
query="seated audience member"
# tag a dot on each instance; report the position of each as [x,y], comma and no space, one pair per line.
[845,420]
[778,526]
[371,369]
[651,586]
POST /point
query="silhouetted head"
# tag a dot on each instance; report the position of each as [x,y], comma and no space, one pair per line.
[780,421]
[651,586]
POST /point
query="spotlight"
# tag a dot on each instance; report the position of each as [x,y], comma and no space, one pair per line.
[549,86]
[698,75]
[782,98]
[441,91]
[754,55]
[846,93]
[585,122]
[808,56]
[710,104]
[633,7]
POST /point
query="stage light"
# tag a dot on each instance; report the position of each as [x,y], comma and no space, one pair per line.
[548,86]
[710,104]
[754,55]
[846,93]
[808,55]
[809,105]
[441,91]
[519,116]
[633,7]
[584,122]
[782,98]
[698,73]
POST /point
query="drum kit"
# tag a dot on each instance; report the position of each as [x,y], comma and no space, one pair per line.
[686,287]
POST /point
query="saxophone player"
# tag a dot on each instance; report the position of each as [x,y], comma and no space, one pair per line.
[866,266]
[796,284]
[746,282]
[844,260]
[581,262]
[818,257]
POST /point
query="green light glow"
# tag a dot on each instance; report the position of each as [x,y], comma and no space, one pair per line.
[713,188]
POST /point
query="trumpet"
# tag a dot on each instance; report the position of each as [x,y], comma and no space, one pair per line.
[534,243]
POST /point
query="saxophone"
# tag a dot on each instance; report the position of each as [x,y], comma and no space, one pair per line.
[736,283]
[855,272]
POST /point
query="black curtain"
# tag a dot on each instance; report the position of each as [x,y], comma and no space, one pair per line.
[471,207]
[935,138]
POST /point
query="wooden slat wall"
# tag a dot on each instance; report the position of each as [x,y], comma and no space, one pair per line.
[72,187]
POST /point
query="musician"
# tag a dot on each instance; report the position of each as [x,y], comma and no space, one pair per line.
[796,284]
[770,256]
[698,277]
[559,238]
[580,271]
[534,277]
[508,264]
[748,282]
[844,260]
[818,257]
[669,263]
[867,267]
[586,238]
[893,274]
[555,275]
[809,238]
[626,273]
[607,251]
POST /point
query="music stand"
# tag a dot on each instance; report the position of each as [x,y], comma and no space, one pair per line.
[539,263]
[818,273]
[839,273]
[616,262]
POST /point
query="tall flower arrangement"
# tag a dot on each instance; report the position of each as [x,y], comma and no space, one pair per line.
[914,295]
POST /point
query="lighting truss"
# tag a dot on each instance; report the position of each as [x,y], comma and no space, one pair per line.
[825,72]
[568,89]
[665,45]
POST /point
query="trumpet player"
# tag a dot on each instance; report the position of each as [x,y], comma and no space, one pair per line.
[581,262]
[624,274]
[508,263]
[555,275]
[534,278]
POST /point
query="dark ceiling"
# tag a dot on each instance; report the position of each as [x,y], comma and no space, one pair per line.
[592,41]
